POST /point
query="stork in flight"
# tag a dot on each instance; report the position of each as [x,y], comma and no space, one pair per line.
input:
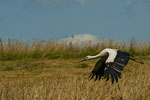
[110,64]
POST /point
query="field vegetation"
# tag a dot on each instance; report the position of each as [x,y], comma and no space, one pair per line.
[49,49]
[48,70]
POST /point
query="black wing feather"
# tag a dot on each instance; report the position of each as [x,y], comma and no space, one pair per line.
[122,57]
[112,78]
[106,74]
[92,76]
[118,67]
[114,74]
[118,74]
[96,76]
[100,76]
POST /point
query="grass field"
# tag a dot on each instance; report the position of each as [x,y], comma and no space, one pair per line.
[61,79]
[47,70]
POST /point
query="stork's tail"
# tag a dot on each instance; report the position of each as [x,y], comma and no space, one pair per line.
[133,59]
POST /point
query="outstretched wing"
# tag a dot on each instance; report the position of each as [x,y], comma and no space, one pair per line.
[114,68]
[98,70]
[111,69]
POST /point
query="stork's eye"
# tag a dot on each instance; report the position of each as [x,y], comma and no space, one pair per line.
[86,57]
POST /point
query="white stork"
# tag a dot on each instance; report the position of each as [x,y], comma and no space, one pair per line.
[112,62]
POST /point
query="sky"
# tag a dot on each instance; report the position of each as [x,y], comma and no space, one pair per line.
[55,19]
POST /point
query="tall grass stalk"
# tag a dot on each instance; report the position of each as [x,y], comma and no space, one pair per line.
[49,49]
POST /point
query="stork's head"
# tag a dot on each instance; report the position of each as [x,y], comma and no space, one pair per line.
[86,58]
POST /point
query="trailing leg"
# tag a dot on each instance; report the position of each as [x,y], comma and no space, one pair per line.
[133,59]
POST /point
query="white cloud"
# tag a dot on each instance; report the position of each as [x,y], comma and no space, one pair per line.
[80,40]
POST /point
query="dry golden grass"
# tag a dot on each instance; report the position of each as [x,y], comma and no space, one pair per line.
[63,80]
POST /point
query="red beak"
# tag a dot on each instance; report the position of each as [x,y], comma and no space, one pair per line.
[82,60]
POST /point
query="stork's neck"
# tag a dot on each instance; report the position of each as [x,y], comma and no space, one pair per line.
[93,57]
[101,54]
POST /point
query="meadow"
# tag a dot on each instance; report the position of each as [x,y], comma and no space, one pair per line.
[47,70]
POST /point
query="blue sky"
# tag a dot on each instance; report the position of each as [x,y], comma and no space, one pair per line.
[53,19]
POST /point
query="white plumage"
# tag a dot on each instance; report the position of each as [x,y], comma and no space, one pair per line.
[112,54]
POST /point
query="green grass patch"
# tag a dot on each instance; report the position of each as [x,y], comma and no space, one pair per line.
[82,65]
[8,68]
